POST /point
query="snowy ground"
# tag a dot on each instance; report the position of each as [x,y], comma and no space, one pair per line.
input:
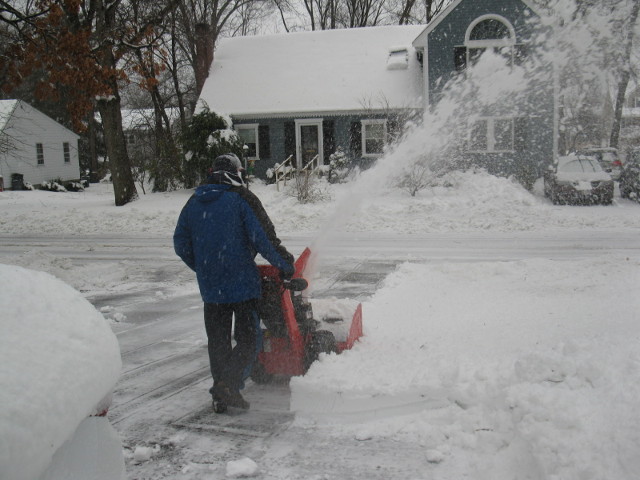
[505,346]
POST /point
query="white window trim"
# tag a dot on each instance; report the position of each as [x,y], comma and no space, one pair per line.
[379,121]
[254,127]
[491,134]
[314,122]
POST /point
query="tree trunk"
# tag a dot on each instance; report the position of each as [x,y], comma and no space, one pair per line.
[624,78]
[204,54]
[93,150]
[124,188]
[617,113]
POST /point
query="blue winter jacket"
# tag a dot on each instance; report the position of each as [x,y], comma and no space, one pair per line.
[219,232]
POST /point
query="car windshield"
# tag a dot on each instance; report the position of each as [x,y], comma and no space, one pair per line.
[580,165]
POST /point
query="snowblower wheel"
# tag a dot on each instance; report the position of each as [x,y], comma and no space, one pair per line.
[321,341]
[259,375]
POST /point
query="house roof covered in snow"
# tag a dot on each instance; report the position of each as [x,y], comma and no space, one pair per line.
[330,71]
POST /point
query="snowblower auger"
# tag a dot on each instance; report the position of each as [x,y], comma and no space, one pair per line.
[293,339]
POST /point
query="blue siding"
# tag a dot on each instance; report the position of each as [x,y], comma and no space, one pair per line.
[538,108]
[451,31]
[280,149]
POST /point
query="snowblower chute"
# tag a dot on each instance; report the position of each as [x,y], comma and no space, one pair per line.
[292,339]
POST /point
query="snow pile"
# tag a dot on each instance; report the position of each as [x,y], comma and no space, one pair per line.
[94,452]
[245,467]
[505,369]
[60,360]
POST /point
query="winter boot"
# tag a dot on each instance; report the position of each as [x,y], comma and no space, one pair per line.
[229,396]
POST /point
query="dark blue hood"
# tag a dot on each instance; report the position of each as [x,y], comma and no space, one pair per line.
[210,193]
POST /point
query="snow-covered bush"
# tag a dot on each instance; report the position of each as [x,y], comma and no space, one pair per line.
[53,186]
[415,178]
[307,188]
[339,167]
[75,187]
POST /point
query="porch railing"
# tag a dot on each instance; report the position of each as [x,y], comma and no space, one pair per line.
[312,165]
[284,171]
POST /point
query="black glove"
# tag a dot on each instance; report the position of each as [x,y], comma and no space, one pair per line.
[284,276]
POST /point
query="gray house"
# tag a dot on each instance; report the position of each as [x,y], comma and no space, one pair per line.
[304,95]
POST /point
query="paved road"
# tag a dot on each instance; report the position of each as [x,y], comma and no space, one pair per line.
[163,386]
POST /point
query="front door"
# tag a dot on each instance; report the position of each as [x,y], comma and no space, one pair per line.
[308,141]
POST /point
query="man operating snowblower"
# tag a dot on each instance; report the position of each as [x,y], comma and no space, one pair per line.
[219,232]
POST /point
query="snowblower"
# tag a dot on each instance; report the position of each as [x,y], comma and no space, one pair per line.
[292,339]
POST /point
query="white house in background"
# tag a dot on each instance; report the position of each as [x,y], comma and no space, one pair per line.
[35,146]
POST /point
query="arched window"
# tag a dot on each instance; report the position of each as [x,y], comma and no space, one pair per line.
[488,32]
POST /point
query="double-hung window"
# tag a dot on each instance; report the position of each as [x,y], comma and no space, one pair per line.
[248,134]
[374,137]
[40,153]
[492,134]
[67,152]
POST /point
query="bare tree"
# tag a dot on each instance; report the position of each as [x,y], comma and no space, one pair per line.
[202,22]
[413,11]
[592,42]
[82,48]
[629,38]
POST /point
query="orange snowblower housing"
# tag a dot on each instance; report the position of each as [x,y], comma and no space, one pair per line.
[292,339]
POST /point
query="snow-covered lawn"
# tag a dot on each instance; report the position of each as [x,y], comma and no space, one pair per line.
[463,202]
[523,369]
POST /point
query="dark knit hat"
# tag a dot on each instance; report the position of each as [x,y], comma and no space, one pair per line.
[228,162]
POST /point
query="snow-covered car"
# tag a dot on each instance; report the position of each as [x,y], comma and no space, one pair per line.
[630,176]
[578,179]
[59,362]
[607,157]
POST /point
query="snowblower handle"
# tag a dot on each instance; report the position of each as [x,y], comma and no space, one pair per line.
[296,284]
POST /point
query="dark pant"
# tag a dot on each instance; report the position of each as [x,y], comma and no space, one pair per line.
[232,365]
